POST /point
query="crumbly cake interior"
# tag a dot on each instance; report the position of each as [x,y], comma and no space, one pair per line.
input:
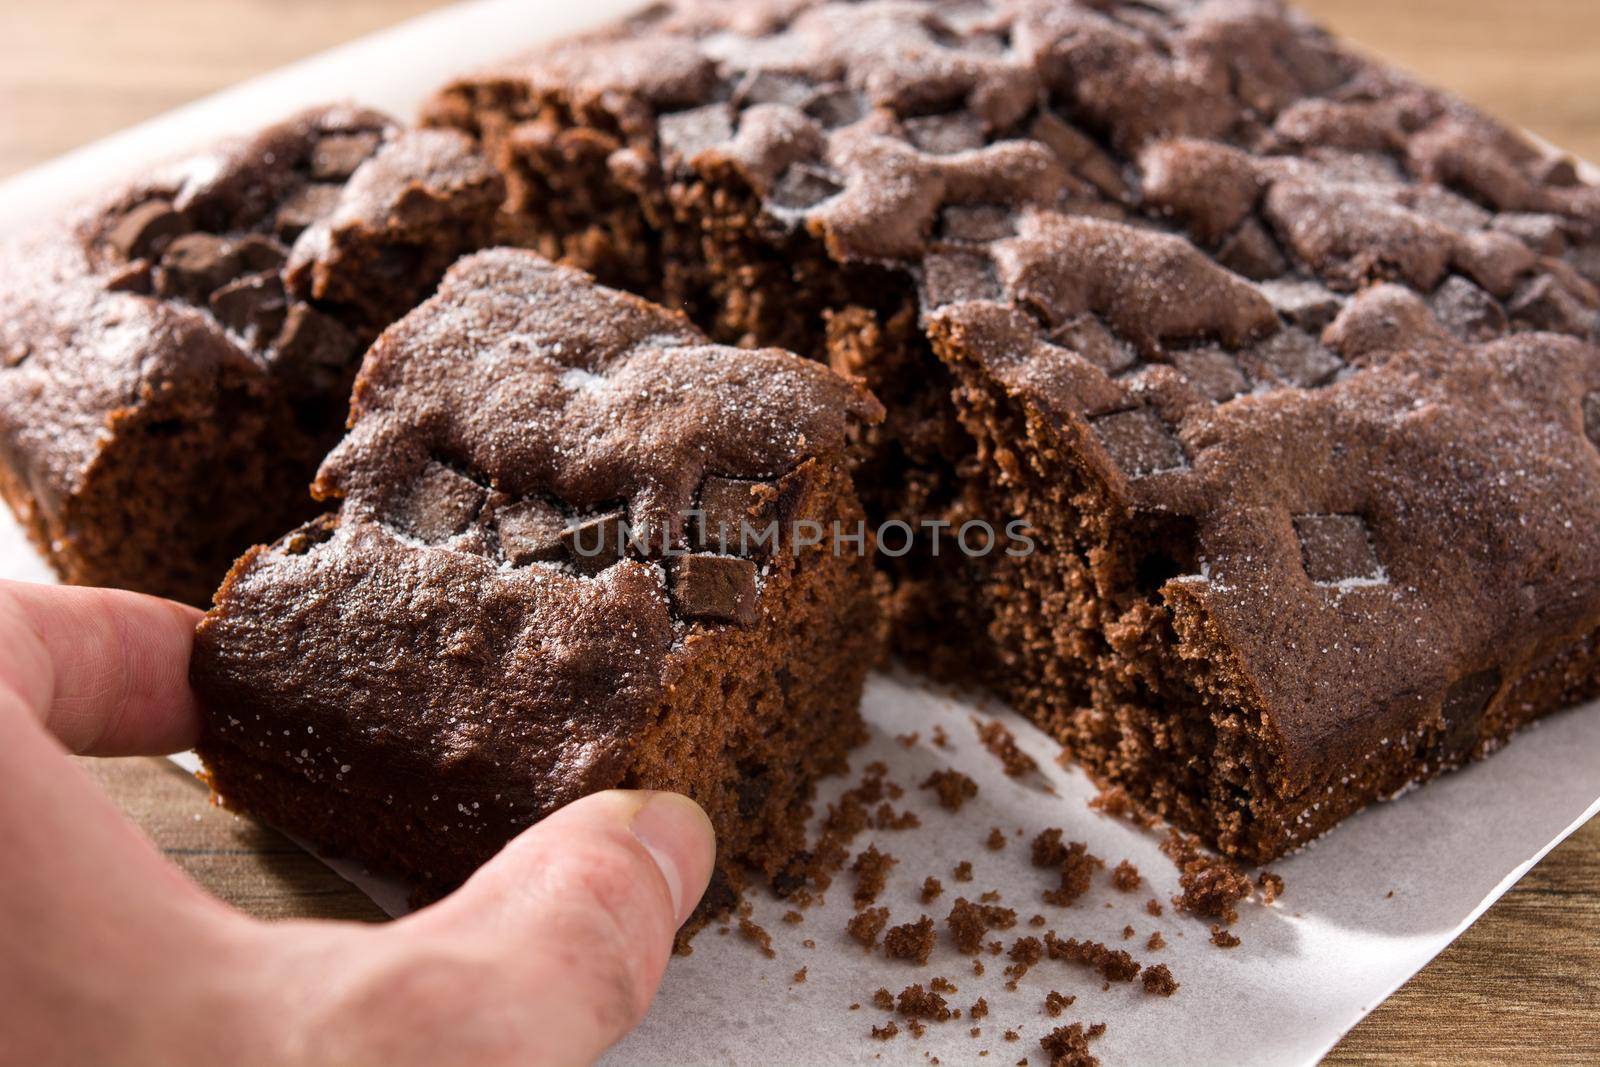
[1204,221]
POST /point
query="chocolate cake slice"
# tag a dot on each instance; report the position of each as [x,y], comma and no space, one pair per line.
[176,359]
[576,547]
[1289,361]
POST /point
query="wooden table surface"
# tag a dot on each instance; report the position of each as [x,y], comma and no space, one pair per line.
[1523,985]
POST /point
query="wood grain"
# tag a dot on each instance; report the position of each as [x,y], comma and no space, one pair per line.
[1523,985]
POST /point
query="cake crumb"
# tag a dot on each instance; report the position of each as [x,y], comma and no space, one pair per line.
[1025,952]
[963,871]
[793,918]
[871,869]
[886,818]
[1156,942]
[1055,1003]
[808,943]
[1271,886]
[1113,964]
[1211,884]
[910,941]
[1125,877]
[1077,865]
[1068,1046]
[753,932]
[1002,745]
[979,1009]
[916,1027]
[1158,981]
[990,896]
[952,788]
[977,968]
[969,922]
[1037,920]
[908,740]
[918,1003]
[1127,933]
[940,738]
[931,888]
[865,926]
[800,976]
[1011,1035]
[996,839]
[1153,906]
[886,1031]
[1223,938]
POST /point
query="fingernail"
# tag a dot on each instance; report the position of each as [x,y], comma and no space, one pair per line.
[678,836]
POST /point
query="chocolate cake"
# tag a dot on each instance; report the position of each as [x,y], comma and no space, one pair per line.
[175,360]
[524,593]
[1288,362]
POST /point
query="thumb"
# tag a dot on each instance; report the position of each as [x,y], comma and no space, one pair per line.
[581,910]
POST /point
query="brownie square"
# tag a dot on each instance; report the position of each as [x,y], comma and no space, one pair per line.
[1287,360]
[508,608]
[178,356]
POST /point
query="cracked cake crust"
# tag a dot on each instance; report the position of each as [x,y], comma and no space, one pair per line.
[1289,359]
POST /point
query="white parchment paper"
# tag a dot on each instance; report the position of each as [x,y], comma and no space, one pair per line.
[1366,907]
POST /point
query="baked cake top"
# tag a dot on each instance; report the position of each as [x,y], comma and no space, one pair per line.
[478,575]
[1260,283]
[275,257]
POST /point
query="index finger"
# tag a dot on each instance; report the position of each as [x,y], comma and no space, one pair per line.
[107,671]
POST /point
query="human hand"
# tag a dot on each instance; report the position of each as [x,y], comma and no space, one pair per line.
[109,955]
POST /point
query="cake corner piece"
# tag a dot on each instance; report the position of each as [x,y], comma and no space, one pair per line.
[527,592]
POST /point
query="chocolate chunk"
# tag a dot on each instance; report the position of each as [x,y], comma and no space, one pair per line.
[976,223]
[145,229]
[313,350]
[1560,172]
[257,252]
[1211,371]
[1306,304]
[1543,304]
[440,504]
[1088,336]
[736,517]
[135,277]
[1293,358]
[306,206]
[768,87]
[196,265]
[1591,416]
[960,131]
[1545,234]
[837,106]
[337,156]
[1079,154]
[1337,548]
[1139,442]
[1252,252]
[252,306]
[1467,311]
[714,589]
[595,544]
[684,134]
[530,532]
[957,277]
[802,186]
